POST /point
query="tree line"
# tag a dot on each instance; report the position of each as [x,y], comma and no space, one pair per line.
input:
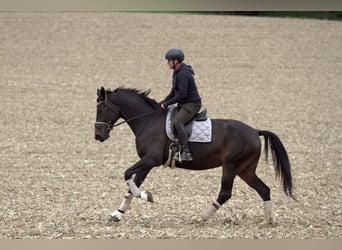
[323,15]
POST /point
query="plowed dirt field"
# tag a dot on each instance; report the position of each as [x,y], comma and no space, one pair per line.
[282,75]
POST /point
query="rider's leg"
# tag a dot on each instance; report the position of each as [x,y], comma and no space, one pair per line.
[185,114]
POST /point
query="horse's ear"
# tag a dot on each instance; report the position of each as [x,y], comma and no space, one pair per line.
[102,92]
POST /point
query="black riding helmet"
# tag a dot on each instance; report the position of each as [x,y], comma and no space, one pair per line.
[175,54]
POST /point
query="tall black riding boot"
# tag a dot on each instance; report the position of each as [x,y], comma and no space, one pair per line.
[186,154]
[183,141]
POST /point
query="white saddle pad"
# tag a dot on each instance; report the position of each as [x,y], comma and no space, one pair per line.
[201,130]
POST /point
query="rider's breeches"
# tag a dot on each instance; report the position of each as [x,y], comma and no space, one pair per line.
[185,112]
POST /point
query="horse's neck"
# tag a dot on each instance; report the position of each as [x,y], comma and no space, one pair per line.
[131,111]
[137,115]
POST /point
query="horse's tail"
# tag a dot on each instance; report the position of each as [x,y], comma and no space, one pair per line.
[280,159]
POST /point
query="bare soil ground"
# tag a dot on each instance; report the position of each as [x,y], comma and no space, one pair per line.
[282,75]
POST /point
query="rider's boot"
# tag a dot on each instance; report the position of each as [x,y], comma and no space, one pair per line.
[183,141]
[186,154]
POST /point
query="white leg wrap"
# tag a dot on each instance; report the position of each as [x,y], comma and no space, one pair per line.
[212,209]
[133,188]
[116,215]
[268,212]
[126,202]
[144,195]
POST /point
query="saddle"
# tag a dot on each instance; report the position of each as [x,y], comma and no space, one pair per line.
[198,129]
[199,117]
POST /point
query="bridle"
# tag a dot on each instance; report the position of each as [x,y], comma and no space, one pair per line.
[110,124]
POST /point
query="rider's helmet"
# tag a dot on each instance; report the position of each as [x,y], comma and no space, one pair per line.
[175,54]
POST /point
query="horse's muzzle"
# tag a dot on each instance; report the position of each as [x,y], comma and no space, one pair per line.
[102,131]
[99,138]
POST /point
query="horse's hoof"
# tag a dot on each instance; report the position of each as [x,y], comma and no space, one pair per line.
[115,216]
[147,196]
[197,220]
[267,224]
[111,220]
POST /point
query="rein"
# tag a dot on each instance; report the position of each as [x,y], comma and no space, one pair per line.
[134,118]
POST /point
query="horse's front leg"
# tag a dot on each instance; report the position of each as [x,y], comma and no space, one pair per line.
[140,170]
[134,189]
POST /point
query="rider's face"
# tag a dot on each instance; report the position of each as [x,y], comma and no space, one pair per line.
[172,63]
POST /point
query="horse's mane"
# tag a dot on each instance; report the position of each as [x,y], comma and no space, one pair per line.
[139,93]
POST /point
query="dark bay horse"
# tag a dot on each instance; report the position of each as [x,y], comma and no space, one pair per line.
[235,146]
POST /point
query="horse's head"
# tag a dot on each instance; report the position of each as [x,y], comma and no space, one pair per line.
[107,114]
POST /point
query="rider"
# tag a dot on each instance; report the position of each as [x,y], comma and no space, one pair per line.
[183,92]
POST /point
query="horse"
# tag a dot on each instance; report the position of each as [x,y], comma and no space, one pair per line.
[235,146]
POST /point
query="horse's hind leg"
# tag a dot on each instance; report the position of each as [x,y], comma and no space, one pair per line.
[228,175]
[258,185]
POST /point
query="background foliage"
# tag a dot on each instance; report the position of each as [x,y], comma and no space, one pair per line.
[324,15]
